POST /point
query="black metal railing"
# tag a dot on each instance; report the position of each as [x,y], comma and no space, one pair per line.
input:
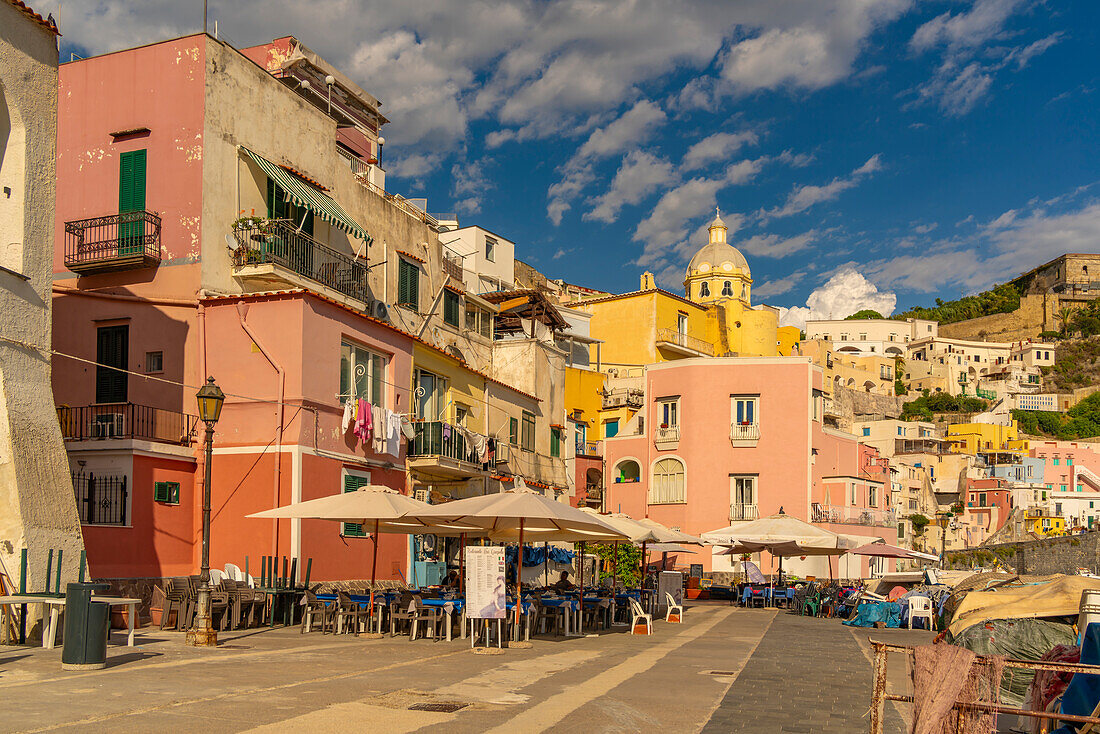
[126,420]
[278,242]
[100,500]
[436,438]
[113,242]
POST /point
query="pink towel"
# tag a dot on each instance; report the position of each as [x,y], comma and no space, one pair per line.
[362,420]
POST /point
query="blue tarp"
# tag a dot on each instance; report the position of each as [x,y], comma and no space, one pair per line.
[870,612]
[1083,692]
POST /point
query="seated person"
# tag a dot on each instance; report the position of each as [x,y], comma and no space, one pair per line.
[451,582]
[563,583]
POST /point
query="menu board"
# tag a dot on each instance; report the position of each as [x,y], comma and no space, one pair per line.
[486,590]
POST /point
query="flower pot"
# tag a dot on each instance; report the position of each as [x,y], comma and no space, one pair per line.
[695,593]
[120,618]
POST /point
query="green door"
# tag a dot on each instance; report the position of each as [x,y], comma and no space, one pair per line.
[131,200]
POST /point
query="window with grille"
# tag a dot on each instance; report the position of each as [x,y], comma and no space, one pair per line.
[362,374]
[668,482]
[452,308]
[166,492]
[408,284]
[353,480]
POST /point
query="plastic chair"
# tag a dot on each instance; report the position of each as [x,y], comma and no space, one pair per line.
[640,614]
[920,606]
[673,610]
[233,571]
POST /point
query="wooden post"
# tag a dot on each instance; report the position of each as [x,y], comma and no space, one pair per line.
[878,690]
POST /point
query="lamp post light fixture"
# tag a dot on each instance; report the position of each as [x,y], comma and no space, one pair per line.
[202,633]
[943,519]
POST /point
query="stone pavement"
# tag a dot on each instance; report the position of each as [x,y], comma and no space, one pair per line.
[808,675]
[723,665]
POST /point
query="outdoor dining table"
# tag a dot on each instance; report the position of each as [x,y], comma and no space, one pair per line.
[382,599]
[279,597]
[450,606]
[56,605]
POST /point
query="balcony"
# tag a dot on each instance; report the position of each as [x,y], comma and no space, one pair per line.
[666,438]
[744,434]
[688,345]
[438,448]
[739,512]
[623,398]
[844,515]
[922,445]
[452,265]
[590,448]
[125,241]
[272,254]
[111,421]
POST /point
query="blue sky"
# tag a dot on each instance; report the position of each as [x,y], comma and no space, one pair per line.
[864,152]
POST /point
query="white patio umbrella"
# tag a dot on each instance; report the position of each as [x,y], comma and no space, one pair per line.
[637,531]
[782,535]
[509,515]
[386,509]
[666,534]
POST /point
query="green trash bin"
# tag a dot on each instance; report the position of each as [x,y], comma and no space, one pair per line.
[86,628]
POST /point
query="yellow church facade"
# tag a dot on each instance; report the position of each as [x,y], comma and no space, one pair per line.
[714,318]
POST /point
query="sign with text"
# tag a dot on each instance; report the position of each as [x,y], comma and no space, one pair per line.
[486,590]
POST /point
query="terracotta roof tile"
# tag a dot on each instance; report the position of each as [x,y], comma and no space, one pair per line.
[46,23]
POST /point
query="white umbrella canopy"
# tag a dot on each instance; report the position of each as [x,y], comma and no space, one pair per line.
[634,530]
[778,528]
[501,516]
[383,509]
[666,534]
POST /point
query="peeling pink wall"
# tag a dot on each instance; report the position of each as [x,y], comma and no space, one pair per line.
[160,87]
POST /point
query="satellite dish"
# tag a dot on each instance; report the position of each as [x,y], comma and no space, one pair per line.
[231,241]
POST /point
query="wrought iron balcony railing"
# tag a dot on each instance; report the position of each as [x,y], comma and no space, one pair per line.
[278,242]
[845,515]
[671,336]
[123,241]
[126,420]
[436,438]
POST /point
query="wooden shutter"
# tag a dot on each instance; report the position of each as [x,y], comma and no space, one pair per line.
[353,482]
[131,181]
[555,443]
[112,346]
[408,284]
[450,307]
[513,431]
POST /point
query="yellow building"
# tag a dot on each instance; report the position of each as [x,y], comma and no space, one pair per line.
[583,402]
[715,319]
[787,339]
[974,438]
[1036,521]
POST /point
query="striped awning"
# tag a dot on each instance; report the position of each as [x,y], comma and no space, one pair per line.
[311,197]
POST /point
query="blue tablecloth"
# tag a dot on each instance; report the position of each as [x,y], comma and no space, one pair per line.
[457,604]
[767,593]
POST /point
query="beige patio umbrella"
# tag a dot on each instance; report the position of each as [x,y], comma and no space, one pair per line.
[637,531]
[386,509]
[782,535]
[665,534]
[508,516]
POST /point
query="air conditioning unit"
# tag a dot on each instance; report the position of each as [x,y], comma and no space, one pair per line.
[108,425]
[503,452]
[421,495]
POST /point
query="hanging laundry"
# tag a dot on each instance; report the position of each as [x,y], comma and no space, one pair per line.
[446,431]
[393,434]
[361,420]
[407,428]
[368,420]
[481,448]
[350,414]
[492,450]
[379,416]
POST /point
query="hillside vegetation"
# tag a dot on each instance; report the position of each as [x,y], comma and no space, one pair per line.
[1003,298]
[1077,364]
[927,405]
[1081,421]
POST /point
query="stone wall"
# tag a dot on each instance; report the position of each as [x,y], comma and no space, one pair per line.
[852,403]
[1032,317]
[1036,557]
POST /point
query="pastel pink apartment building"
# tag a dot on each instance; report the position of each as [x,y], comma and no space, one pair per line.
[729,440]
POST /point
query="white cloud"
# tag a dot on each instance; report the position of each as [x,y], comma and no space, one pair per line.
[804,197]
[667,225]
[968,69]
[469,184]
[716,147]
[778,286]
[772,245]
[640,174]
[615,137]
[841,296]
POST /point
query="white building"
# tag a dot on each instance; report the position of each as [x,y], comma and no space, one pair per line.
[940,364]
[487,260]
[887,337]
[37,505]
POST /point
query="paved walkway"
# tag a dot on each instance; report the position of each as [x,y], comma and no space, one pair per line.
[806,675]
[724,665]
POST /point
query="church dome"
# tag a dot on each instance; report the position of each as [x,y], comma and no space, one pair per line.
[717,255]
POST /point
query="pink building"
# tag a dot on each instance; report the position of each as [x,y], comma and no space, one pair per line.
[728,440]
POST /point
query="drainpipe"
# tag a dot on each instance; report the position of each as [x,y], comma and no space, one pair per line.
[242,314]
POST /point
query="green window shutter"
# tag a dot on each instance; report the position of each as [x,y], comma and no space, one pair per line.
[351,484]
[377,368]
[131,198]
[408,284]
[513,431]
[160,491]
[451,308]
[555,443]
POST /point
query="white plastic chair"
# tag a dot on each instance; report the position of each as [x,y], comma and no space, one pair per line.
[921,606]
[216,576]
[640,614]
[233,571]
[673,608]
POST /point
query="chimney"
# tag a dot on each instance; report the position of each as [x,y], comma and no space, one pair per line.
[647,282]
